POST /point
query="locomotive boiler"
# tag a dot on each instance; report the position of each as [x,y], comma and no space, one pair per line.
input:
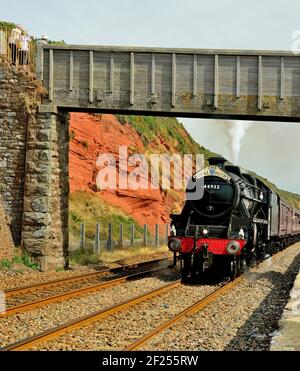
[237,221]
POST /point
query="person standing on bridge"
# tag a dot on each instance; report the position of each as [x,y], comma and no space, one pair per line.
[13,43]
[24,49]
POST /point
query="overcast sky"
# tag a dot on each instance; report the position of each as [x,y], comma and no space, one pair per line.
[269,149]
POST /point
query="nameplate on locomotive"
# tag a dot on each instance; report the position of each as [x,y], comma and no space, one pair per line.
[212,171]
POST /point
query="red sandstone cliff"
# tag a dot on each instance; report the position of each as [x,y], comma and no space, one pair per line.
[92,135]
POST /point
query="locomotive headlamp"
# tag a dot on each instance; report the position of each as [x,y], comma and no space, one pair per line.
[205,232]
[174,245]
[233,248]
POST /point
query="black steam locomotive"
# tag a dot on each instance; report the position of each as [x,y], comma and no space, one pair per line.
[235,223]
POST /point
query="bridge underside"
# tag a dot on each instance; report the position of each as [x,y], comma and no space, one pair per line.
[216,116]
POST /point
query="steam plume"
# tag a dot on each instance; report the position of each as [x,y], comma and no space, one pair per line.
[236,131]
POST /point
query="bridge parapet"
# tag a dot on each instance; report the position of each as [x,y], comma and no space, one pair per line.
[191,82]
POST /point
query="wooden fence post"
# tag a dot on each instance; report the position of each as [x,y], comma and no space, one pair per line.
[157,235]
[97,239]
[82,235]
[109,239]
[121,238]
[145,235]
[132,235]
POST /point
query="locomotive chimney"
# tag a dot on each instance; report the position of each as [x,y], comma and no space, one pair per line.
[217,161]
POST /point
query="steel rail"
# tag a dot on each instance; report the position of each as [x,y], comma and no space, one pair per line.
[42,285]
[86,320]
[186,312]
[191,310]
[25,307]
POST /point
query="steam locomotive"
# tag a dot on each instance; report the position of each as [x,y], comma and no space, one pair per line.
[237,222]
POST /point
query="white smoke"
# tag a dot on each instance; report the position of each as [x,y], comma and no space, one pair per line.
[236,131]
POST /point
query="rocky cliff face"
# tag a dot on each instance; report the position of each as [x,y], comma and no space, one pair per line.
[92,135]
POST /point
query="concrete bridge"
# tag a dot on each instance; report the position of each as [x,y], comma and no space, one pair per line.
[34,138]
[256,85]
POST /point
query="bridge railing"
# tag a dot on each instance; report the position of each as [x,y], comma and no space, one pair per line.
[15,53]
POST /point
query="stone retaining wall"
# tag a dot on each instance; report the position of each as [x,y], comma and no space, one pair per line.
[18,96]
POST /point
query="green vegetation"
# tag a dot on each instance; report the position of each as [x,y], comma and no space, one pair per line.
[7,25]
[88,208]
[61,42]
[86,257]
[159,133]
[23,259]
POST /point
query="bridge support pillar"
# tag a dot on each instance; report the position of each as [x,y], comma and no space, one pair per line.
[46,192]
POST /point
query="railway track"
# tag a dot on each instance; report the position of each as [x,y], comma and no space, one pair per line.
[86,320]
[94,317]
[201,304]
[76,324]
[22,308]
[16,297]
[83,277]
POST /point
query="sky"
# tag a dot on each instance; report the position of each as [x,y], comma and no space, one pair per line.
[270,149]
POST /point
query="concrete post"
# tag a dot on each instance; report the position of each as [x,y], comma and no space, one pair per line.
[157,235]
[145,235]
[97,239]
[132,235]
[109,238]
[167,233]
[121,237]
[82,235]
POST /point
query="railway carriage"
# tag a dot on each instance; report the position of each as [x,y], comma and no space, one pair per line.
[238,221]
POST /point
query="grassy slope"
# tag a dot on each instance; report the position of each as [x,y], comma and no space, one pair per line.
[88,208]
[159,132]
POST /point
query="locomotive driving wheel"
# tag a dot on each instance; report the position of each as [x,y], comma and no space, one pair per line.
[235,268]
[243,265]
